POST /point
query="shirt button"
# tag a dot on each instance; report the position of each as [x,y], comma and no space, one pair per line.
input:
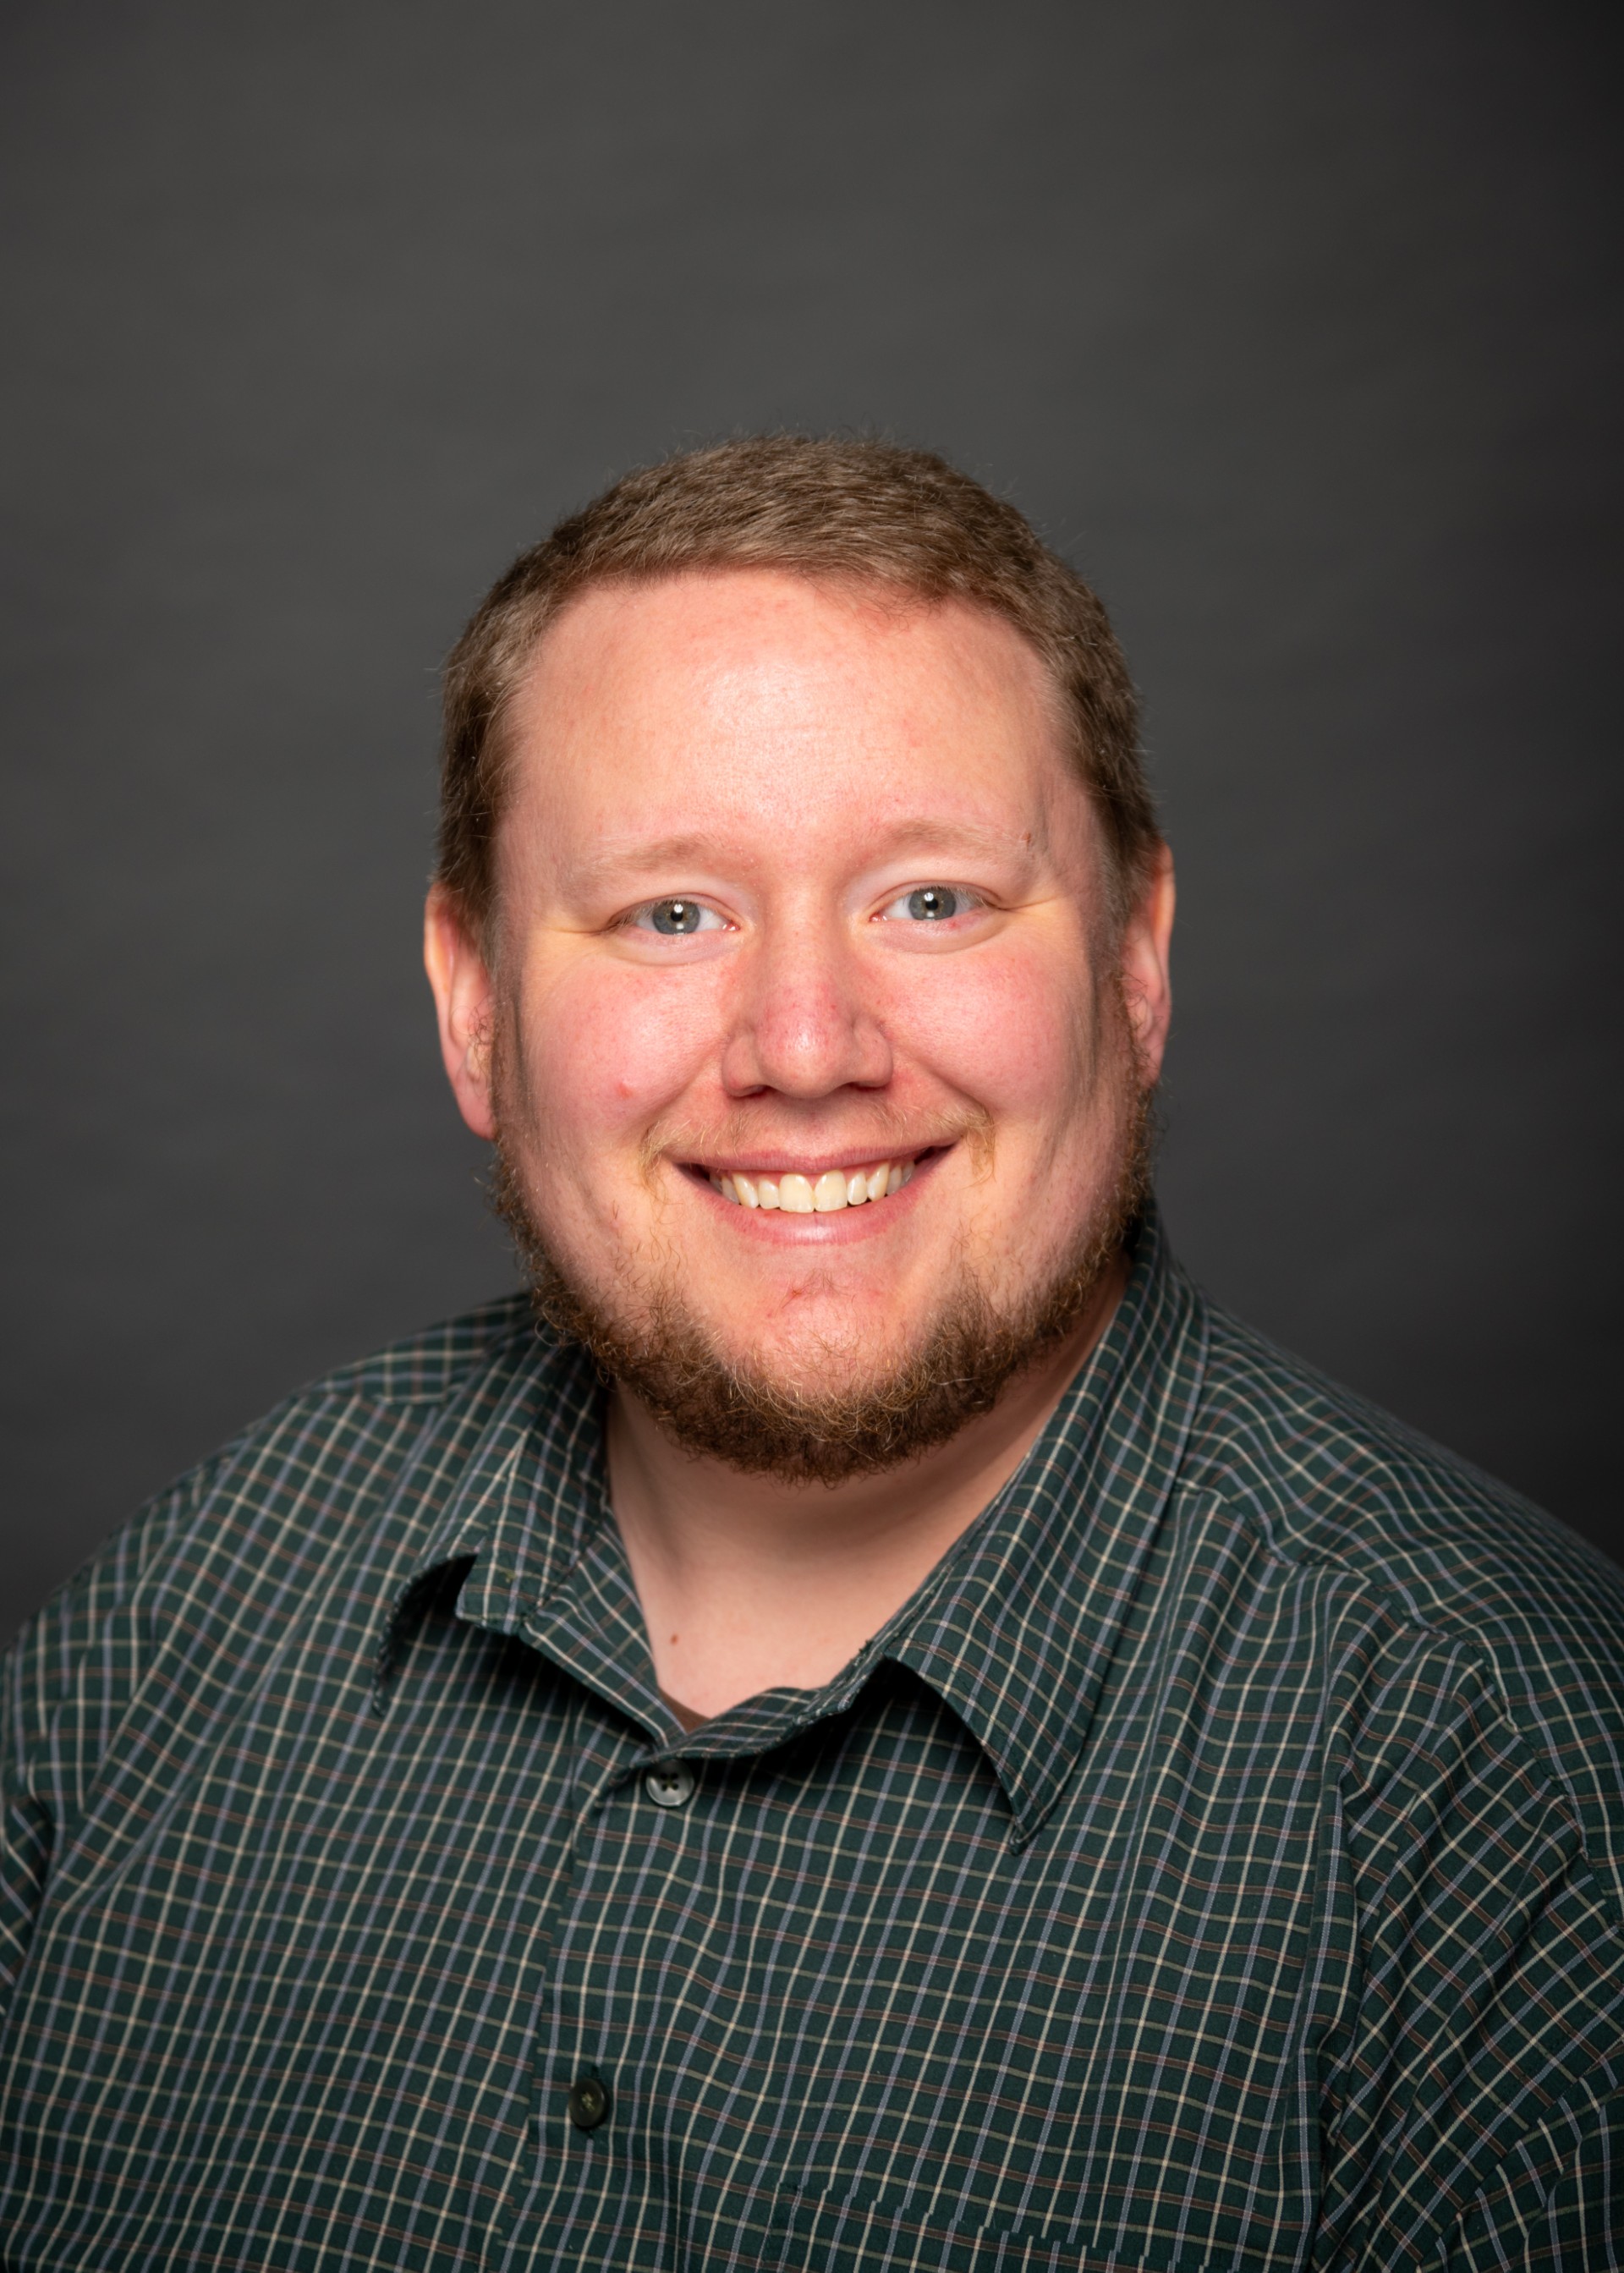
[589,2100]
[671,1785]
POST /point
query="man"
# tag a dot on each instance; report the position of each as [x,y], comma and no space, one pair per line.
[889,1733]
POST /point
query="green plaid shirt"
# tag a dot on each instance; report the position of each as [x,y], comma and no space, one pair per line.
[1217,1864]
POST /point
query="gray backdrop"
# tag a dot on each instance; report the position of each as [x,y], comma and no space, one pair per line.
[1295,324]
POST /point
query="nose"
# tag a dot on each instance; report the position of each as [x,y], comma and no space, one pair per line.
[802,1027]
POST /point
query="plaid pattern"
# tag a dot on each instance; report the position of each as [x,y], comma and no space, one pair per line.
[1216,1864]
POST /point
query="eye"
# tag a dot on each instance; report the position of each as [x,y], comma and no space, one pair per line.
[931,904]
[674,919]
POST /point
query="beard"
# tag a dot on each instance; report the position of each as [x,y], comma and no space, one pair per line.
[725,1408]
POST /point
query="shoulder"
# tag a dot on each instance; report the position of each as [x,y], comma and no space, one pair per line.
[354,1463]
[308,1521]
[1370,1512]
[329,1455]
[1332,1478]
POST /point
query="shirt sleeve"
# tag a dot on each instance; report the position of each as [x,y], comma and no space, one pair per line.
[65,1685]
[1471,2102]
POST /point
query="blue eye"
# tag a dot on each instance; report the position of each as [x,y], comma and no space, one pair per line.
[677,919]
[929,903]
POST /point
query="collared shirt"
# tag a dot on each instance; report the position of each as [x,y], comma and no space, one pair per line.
[1217,1864]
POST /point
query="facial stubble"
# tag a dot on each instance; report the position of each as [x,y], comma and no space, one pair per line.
[721,1408]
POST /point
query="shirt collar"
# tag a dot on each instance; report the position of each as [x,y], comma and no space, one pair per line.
[1014,1629]
[1018,1626]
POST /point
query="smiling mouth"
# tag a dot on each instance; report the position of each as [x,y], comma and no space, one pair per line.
[815,1194]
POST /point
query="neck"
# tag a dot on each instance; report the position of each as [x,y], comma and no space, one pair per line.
[749,1584]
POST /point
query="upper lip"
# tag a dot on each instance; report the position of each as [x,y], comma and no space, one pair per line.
[770,1162]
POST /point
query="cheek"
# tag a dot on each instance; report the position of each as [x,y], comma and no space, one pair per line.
[606,1051]
[1011,1030]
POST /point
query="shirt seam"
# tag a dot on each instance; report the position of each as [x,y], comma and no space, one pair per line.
[1545,1768]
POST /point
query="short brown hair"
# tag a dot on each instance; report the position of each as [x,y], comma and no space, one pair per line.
[856,511]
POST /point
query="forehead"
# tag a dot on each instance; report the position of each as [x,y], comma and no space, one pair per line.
[727,700]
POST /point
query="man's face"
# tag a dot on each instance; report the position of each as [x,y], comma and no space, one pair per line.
[800,896]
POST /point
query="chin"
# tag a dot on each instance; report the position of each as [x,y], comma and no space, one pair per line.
[831,1352]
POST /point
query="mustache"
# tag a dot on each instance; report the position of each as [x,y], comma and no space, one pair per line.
[886,1128]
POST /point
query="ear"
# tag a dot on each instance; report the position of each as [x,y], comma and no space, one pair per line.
[465,1000]
[1147,938]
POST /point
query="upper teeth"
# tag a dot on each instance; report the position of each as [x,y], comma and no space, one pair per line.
[835,1188]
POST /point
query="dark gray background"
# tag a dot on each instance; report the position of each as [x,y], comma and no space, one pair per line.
[1295,324]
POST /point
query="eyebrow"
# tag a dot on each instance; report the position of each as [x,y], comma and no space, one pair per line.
[626,857]
[622,855]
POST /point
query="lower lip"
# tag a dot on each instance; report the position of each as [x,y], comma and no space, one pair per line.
[776,1228]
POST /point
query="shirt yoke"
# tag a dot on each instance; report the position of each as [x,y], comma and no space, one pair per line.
[437,1363]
